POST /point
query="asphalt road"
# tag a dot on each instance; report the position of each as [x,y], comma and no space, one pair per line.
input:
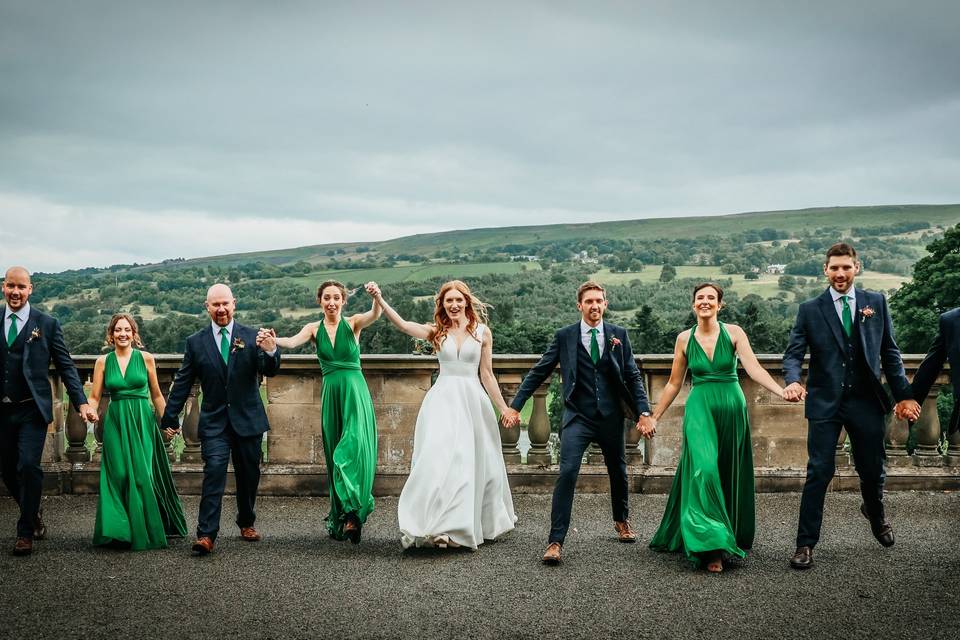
[297,583]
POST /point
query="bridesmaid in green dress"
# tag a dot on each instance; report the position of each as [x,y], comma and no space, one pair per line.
[348,421]
[710,511]
[138,506]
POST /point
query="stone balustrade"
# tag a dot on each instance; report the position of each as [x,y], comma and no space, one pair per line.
[294,462]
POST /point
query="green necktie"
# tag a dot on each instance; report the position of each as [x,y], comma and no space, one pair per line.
[594,347]
[847,316]
[224,345]
[12,334]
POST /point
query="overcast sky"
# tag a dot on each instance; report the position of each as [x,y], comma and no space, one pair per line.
[138,131]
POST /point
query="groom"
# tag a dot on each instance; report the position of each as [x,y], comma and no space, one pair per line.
[31,341]
[599,373]
[229,359]
[850,337]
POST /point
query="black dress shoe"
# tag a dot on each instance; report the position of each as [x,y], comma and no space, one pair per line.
[882,530]
[802,558]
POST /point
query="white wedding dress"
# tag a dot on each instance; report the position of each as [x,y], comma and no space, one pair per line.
[457,486]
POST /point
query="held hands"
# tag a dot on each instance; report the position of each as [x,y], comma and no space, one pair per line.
[88,413]
[794,392]
[647,426]
[373,289]
[907,410]
[510,418]
[169,433]
[267,339]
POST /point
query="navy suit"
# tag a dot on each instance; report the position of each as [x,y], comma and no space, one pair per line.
[844,389]
[232,418]
[27,407]
[594,396]
[945,348]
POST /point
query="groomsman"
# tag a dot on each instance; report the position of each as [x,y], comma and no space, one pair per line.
[849,334]
[600,376]
[945,348]
[229,359]
[31,341]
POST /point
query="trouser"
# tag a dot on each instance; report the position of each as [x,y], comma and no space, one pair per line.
[216,452]
[574,440]
[863,419]
[23,432]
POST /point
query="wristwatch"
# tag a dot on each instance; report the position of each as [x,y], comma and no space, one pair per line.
[645,414]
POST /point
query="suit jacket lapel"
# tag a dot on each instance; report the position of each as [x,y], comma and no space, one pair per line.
[213,352]
[829,312]
[25,334]
[234,353]
[860,300]
[608,335]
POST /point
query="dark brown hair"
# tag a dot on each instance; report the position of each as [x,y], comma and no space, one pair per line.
[117,317]
[841,249]
[587,286]
[704,285]
[332,283]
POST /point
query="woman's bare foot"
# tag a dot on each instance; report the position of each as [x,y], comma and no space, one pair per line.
[714,562]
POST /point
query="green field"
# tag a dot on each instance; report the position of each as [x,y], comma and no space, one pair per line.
[414,273]
[765,287]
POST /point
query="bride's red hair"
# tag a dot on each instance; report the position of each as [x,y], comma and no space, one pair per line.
[475,309]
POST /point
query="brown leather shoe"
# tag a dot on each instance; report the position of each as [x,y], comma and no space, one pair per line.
[882,530]
[802,558]
[23,547]
[39,529]
[351,529]
[552,555]
[249,534]
[203,546]
[624,532]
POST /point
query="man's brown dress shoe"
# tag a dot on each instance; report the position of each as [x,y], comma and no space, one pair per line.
[802,558]
[203,546]
[881,529]
[250,534]
[23,547]
[624,532]
[39,529]
[552,555]
[351,529]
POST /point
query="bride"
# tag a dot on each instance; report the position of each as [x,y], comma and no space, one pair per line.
[457,492]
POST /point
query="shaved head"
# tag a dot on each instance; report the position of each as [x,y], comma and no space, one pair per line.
[17,272]
[17,287]
[220,304]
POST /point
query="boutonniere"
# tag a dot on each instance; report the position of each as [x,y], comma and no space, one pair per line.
[614,342]
[866,312]
[34,335]
[238,345]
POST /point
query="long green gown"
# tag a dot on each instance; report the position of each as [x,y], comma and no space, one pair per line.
[138,503]
[711,503]
[349,428]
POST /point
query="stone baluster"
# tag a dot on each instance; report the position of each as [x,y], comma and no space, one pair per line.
[165,381]
[76,428]
[98,427]
[53,452]
[842,458]
[927,430]
[191,426]
[895,442]
[539,430]
[510,437]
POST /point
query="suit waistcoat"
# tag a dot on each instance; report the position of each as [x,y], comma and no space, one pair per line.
[14,382]
[856,376]
[593,396]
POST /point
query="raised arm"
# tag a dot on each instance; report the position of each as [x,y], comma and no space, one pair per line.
[487,378]
[360,321]
[305,335]
[412,329]
[891,360]
[678,371]
[750,363]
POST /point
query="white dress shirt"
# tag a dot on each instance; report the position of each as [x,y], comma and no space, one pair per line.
[23,315]
[585,336]
[216,333]
[838,303]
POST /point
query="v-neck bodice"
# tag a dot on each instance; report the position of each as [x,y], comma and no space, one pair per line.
[131,384]
[343,354]
[466,360]
[723,367]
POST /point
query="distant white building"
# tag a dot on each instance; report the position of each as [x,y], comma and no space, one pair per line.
[584,258]
[524,258]
[776,269]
